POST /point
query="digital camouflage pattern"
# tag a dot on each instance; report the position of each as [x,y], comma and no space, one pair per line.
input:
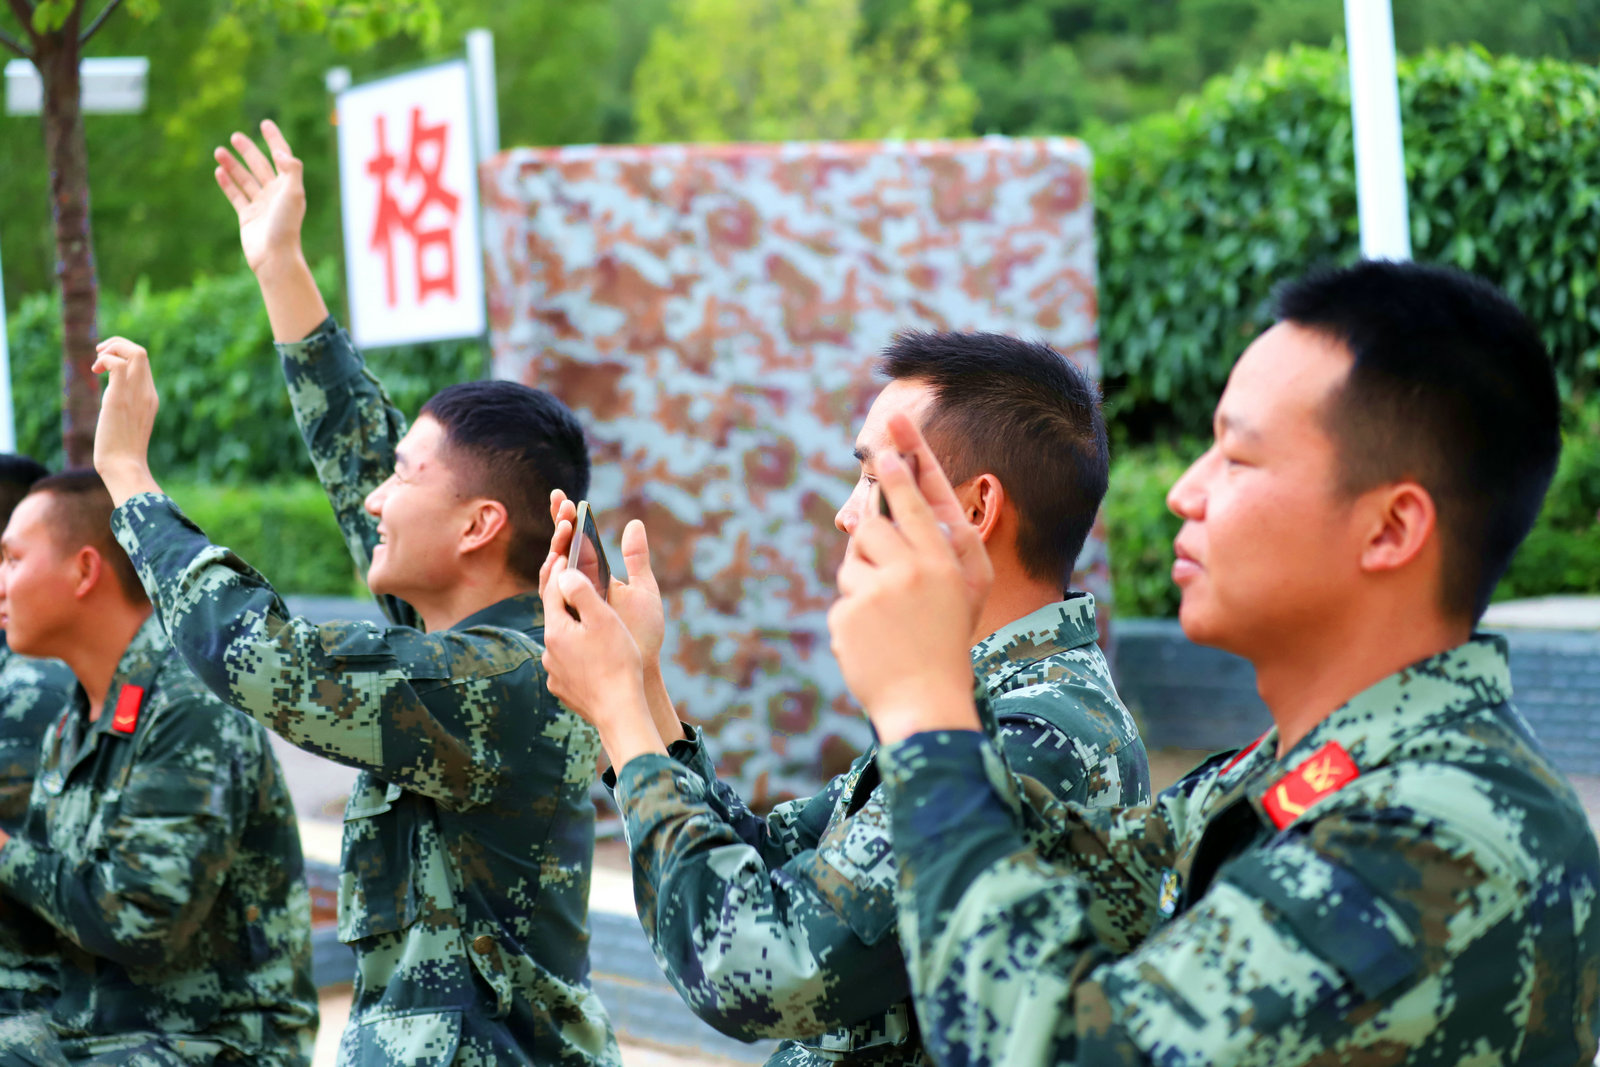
[33,693]
[161,845]
[1437,908]
[469,836]
[713,313]
[784,927]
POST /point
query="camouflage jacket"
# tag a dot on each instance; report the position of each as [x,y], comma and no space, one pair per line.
[33,693]
[1411,882]
[468,839]
[161,845]
[783,927]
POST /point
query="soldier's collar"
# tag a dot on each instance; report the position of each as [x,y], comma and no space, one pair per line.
[525,611]
[1373,723]
[1058,627]
[144,653]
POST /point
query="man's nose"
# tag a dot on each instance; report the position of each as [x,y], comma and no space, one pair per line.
[849,513]
[1187,498]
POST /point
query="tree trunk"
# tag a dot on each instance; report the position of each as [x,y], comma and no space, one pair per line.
[57,55]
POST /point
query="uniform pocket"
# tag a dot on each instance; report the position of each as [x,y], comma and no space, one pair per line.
[417,1039]
[378,871]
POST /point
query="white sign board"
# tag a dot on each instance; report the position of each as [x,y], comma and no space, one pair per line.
[409,190]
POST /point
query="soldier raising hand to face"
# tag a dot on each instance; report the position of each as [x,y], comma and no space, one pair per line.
[1395,872]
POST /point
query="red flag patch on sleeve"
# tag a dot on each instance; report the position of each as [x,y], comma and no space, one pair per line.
[1328,770]
[128,703]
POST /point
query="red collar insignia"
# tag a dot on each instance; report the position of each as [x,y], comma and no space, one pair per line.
[1327,770]
[128,704]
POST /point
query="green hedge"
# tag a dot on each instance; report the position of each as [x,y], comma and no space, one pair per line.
[284,530]
[1201,212]
[224,410]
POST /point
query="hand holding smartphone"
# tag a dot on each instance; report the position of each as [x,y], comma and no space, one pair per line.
[910,460]
[587,556]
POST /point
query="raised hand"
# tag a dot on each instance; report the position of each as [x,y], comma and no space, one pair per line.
[637,602]
[593,666]
[910,593]
[269,195]
[127,416]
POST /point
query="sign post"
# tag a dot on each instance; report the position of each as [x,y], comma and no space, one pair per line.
[409,193]
[1375,113]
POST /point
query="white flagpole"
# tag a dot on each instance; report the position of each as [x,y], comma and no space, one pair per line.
[1375,112]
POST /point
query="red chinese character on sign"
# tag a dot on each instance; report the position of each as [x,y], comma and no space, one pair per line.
[430,223]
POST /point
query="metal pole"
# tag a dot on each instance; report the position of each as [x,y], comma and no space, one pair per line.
[8,422]
[1375,112]
[485,104]
[486,145]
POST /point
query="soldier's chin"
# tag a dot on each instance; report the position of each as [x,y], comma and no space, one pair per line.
[378,580]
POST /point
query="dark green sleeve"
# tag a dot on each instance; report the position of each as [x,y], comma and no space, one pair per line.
[758,949]
[420,710]
[351,430]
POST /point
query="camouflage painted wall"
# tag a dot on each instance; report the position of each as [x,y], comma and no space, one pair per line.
[712,313]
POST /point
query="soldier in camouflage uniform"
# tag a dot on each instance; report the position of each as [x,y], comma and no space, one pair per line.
[160,843]
[32,694]
[783,927]
[469,836]
[32,691]
[1394,872]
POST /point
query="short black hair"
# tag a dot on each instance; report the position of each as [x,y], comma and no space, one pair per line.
[1452,388]
[80,515]
[17,475]
[513,444]
[1021,411]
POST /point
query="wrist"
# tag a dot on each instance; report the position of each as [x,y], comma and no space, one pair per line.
[279,263]
[125,478]
[626,731]
[900,712]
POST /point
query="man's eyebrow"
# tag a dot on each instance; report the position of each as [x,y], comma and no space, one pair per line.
[1232,424]
[862,453]
[400,459]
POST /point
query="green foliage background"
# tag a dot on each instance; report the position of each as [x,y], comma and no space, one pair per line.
[1204,201]
[225,415]
[1201,212]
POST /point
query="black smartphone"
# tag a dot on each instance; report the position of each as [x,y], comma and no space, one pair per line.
[910,460]
[587,556]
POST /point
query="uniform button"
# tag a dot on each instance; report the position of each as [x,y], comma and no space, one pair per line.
[483,944]
[252,914]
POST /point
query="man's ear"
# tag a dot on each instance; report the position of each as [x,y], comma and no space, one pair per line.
[983,497]
[487,518]
[1402,523]
[89,566]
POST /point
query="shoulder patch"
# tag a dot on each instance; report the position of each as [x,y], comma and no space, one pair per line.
[1327,770]
[128,704]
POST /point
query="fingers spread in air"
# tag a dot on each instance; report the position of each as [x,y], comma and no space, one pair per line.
[229,187]
[238,171]
[275,139]
[260,166]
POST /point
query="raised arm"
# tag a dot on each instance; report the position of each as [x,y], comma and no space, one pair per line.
[393,700]
[349,425]
[1294,955]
